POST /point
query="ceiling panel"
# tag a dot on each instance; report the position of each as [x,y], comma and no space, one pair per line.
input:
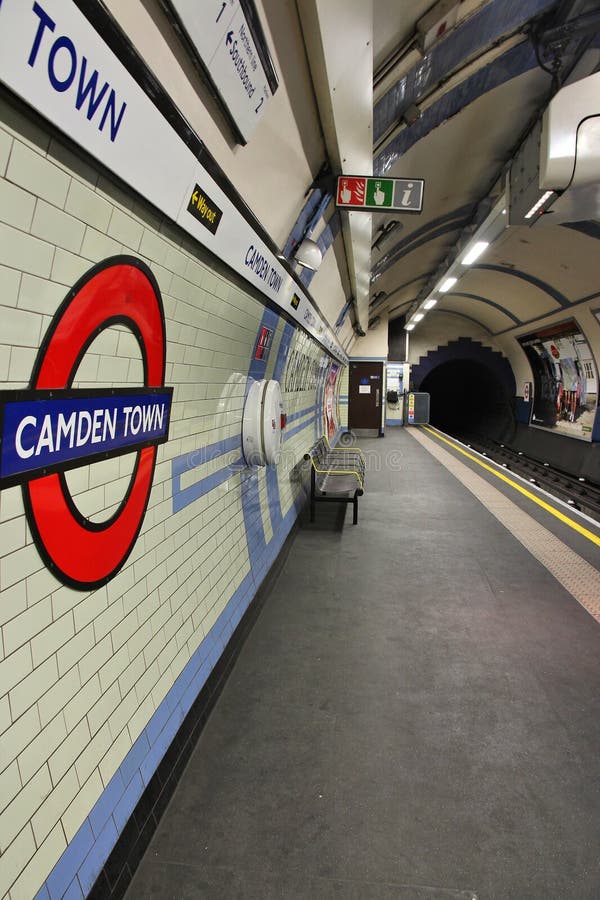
[564,257]
[512,289]
[491,317]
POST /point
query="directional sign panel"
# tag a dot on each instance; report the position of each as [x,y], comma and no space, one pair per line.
[380,194]
[225,43]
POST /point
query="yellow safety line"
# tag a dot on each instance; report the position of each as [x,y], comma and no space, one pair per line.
[572,524]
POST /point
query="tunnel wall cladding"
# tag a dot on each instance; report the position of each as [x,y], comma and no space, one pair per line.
[95,684]
[466,349]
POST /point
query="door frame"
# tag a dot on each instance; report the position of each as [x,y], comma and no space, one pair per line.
[374,361]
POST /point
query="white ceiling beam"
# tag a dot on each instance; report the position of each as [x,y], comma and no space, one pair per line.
[339,43]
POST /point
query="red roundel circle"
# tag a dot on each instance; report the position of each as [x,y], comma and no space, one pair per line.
[121,290]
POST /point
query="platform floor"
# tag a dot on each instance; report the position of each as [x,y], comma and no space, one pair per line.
[415,714]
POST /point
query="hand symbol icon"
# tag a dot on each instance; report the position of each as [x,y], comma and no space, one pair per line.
[379,195]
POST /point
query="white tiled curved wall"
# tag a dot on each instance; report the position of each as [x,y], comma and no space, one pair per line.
[93,685]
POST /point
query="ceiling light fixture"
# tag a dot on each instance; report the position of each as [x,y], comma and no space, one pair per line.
[488,231]
[418,316]
[538,206]
[409,327]
[309,255]
[447,284]
[475,252]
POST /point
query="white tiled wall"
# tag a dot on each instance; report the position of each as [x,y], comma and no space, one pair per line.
[82,673]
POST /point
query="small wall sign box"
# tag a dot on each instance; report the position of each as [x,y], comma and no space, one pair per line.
[227,39]
[380,194]
[263,343]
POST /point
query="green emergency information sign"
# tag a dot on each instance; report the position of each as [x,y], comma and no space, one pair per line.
[384,194]
[380,192]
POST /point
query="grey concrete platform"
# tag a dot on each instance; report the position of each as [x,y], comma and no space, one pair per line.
[415,715]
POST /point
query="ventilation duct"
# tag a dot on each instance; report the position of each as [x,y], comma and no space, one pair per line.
[555,177]
[570,144]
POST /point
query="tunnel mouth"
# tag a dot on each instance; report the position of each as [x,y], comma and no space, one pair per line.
[468,400]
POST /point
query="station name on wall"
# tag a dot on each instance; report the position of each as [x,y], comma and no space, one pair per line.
[46,431]
[53,426]
[69,70]
[261,267]
[57,61]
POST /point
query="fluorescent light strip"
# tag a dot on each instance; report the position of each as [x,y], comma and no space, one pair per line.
[447,284]
[418,316]
[429,303]
[409,327]
[537,206]
[475,252]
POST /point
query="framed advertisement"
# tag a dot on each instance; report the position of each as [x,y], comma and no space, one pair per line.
[565,394]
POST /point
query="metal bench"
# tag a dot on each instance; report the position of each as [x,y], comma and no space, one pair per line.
[337,475]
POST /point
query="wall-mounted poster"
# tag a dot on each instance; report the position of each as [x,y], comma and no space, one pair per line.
[565,378]
[330,417]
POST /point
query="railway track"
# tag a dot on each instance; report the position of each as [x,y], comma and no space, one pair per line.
[579,492]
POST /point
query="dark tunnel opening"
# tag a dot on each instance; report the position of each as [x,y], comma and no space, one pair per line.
[469,400]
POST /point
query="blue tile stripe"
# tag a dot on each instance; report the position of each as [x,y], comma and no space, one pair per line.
[283,352]
[313,210]
[194,458]
[182,497]
[291,432]
[301,412]
[67,867]
[485,28]
[86,854]
[509,65]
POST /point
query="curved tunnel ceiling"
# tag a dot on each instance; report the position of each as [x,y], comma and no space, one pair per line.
[477,102]
[453,112]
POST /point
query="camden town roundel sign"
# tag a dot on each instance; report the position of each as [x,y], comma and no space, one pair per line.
[53,427]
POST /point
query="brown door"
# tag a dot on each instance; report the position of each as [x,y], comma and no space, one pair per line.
[364,402]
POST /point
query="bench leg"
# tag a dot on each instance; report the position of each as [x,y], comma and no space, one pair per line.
[312,495]
[355,505]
